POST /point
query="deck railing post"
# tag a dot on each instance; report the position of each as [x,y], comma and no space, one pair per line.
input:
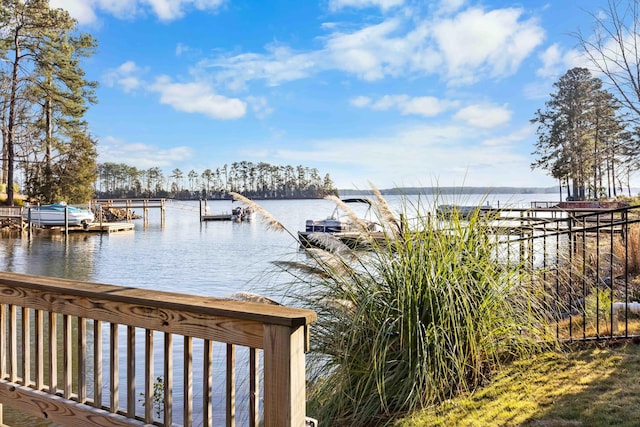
[284,376]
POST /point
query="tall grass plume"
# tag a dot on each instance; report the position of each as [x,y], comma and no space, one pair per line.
[426,315]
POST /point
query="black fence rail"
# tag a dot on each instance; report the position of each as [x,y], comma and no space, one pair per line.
[585,262]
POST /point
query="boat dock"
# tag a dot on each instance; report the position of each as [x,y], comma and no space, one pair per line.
[237,214]
[105,227]
[129,204]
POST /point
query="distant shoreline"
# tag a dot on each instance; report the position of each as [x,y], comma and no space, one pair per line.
[399,191]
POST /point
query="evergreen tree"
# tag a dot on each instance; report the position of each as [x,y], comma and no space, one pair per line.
[576,133]
[46,99]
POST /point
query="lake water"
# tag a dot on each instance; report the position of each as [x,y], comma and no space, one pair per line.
[204,258]
[215,258]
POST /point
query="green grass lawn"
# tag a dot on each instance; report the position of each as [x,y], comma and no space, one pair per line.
[591,385]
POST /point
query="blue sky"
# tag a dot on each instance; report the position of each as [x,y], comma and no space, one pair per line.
[392,92]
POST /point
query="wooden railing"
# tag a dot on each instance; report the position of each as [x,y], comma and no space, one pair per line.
[80,353]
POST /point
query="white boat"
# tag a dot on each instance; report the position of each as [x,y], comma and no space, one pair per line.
[55,215]
[338,224]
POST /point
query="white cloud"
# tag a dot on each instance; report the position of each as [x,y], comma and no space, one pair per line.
[360,101]
[198,97]
[168,10]
[260,106]
[484,115]
[551,62]
[193,97]
[412,157]
[462,48]
[426,106]
[335,5]
[280,64]
[371,53]
[504,140]
[476,43]
[448,6]
[423,105]
[123,9]
[78,9]
[126,76]
[142,156]
[556,62]
[85,11]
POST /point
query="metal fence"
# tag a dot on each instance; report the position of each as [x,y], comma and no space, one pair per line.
[585,262]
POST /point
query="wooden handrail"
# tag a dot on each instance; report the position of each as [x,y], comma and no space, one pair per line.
[63,395]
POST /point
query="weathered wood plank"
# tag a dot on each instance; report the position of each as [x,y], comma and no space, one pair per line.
[82,360]
[13,344]
[114,368]
[97,363]
[131,371]
[67,355]
[148,376]
[187,373]
[254,388]
[231,385]
[207,384]
[53,353]
[59,410]
[3,341]
[26,346]
[168,379]
[39,339]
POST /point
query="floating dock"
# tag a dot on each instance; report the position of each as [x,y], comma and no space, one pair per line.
[96,227]
[238,214]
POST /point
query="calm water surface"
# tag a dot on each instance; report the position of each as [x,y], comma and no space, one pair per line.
[210,258]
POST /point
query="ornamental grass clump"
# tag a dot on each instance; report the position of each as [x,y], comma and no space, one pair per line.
[426,313]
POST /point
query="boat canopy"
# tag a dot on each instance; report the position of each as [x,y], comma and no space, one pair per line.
[356,200]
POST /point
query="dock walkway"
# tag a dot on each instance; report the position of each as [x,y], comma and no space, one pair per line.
[105,227]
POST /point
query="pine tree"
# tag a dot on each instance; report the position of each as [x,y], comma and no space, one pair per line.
[577,132]
[46,99]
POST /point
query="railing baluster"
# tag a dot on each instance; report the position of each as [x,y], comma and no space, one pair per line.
[168,379]
[97,363]
[26,347]
[39,338]
[53,353]
[114,371]
[207,384]
[254,391]
[231,385]
[131,371]
[188,382]
[148,376]
[3,341]
[68,351]
[13,344]
[82,360]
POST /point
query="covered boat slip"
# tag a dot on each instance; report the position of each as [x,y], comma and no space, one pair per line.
[58,218]
[57,214]
[340,225]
